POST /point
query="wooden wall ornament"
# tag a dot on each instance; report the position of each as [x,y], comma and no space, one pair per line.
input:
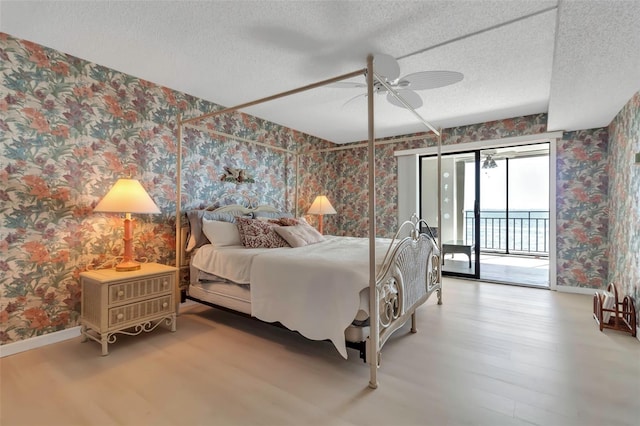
[235,175]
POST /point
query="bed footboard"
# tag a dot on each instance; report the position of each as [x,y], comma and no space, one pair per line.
[408,277]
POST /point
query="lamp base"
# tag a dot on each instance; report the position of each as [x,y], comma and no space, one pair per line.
[130,265]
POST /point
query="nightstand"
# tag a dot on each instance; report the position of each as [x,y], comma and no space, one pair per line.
[127,302]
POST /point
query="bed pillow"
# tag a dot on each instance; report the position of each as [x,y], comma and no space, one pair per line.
[302,219]
[194,217]
[299,235]
[221,233]
[259,234]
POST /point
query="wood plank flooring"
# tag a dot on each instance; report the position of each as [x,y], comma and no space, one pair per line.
[490,355]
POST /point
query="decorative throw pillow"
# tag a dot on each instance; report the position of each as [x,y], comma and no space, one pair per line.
[221,233]
[299,235]
[259,234]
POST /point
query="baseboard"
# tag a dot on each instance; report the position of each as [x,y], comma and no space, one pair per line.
[39,341]
[578,290]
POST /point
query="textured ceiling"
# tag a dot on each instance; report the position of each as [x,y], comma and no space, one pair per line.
[577,60]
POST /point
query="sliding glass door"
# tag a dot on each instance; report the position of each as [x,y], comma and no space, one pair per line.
[514,214]
[460,209]
[495,212]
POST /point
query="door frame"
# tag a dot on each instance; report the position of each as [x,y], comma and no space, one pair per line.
[408,202]
[475,274]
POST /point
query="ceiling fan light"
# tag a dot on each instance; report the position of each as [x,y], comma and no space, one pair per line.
[387,80]
[489,163]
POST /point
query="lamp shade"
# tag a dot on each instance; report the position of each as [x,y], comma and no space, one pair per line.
[321,205]
[127,196]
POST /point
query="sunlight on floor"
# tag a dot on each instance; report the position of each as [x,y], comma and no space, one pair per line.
[522,261]
[506,269]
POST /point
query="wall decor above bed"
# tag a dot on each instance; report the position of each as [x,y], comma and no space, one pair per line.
[235,175]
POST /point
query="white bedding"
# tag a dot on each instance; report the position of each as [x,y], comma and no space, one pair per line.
[230,262]
[315,290]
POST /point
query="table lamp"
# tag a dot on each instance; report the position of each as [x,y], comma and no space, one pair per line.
[127,196]
[321,206]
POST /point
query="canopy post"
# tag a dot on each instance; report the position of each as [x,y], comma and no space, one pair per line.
[440,213]
[297,177]
[373,296]
[178,208]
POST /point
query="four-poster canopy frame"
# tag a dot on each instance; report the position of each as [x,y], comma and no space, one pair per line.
[370,74]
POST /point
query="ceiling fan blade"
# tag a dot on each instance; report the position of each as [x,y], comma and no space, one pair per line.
[411,97]
[353,99]
[346,85]
[431,79]
[386,66]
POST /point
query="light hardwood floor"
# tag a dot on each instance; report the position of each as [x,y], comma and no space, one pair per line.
[490,355]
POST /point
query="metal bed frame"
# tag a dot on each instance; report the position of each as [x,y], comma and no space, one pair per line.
[411,270]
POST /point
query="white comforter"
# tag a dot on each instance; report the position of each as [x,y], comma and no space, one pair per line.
[231,262]
[314,290]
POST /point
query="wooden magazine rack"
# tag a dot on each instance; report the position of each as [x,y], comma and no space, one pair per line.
[614,314]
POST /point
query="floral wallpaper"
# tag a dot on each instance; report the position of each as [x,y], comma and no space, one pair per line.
[581,191]
[624,202]
[581,208]
[68,129]
[352,182]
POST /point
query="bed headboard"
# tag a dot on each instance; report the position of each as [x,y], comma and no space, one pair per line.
[191,235]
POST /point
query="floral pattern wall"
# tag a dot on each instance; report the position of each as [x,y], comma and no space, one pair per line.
[68,129]
[351,186]
[624,202]
[581,191]
[581,208]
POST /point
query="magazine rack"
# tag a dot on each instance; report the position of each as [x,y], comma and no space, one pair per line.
[609,312]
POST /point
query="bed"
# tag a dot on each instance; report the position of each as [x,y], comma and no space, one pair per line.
[321,289]
[394,277]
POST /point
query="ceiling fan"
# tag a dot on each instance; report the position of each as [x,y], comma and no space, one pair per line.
[387,67]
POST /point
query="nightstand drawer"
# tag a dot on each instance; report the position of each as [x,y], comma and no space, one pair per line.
[140,288]
[127,302]
[139,312]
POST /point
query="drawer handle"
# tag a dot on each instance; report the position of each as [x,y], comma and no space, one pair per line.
[120,316]
[165,283]
[165,304]
[120,293]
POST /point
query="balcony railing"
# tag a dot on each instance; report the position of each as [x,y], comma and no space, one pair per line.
[522,231]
